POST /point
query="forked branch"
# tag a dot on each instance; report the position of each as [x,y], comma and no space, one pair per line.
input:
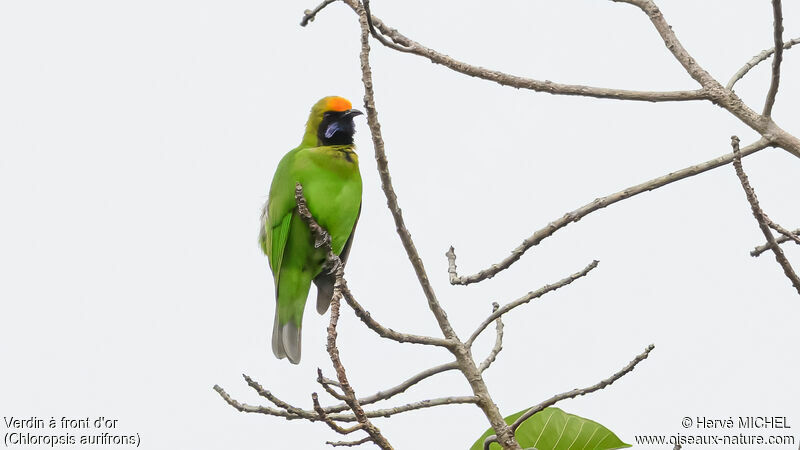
[761,217]
[496,314]
[756,60]
[575,393]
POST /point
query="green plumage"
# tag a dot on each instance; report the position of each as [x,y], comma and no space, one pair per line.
[326,165]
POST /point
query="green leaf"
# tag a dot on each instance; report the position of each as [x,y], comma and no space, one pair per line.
[553,429]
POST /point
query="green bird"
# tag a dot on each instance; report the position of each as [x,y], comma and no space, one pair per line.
[326,165]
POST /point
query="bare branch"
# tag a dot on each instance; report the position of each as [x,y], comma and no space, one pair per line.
[762,218]
[756,60]
[584,210]
[388,333]
[326,384]
[777,15]
[379,36]
[243,407]
[791,235]
[350,395]
[577,392]
[275,400]
[333,425]
[402,387]
[727,99]
[762,248]
[386,412]
[673,43]
[382,413]
[310,14]
[527,298]
[498,342]
[410,46]
[349,443]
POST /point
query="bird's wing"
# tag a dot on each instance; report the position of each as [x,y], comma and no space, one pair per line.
[276,217]
[273,240]
[264,238]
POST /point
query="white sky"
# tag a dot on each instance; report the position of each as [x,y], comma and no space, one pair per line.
[138,140]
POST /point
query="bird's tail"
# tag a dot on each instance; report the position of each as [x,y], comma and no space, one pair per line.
[286,342]
[291,295]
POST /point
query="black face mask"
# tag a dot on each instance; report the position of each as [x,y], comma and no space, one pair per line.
[337,127]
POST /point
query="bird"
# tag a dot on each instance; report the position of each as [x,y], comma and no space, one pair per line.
[326,165]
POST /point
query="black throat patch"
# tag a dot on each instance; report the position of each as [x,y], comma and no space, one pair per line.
[336,128]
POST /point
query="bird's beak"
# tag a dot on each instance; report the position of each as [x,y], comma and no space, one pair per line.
[352,113]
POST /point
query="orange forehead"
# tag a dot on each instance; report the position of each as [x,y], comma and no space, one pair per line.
[338,104]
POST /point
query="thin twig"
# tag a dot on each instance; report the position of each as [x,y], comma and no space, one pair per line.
[791,235]
[761,217]
[777,16]
[577,392]
[326,384]
[422,404]
[349,443]
[244,407]
[674,45]
[389,333]
[527,298]
[310,14]
[550,87]
[588,208]
[333,425]
[402,387]
[275,400]
[413,406]
[780,240]
[498,341]
[756,60]
[379,36]
[350,395]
